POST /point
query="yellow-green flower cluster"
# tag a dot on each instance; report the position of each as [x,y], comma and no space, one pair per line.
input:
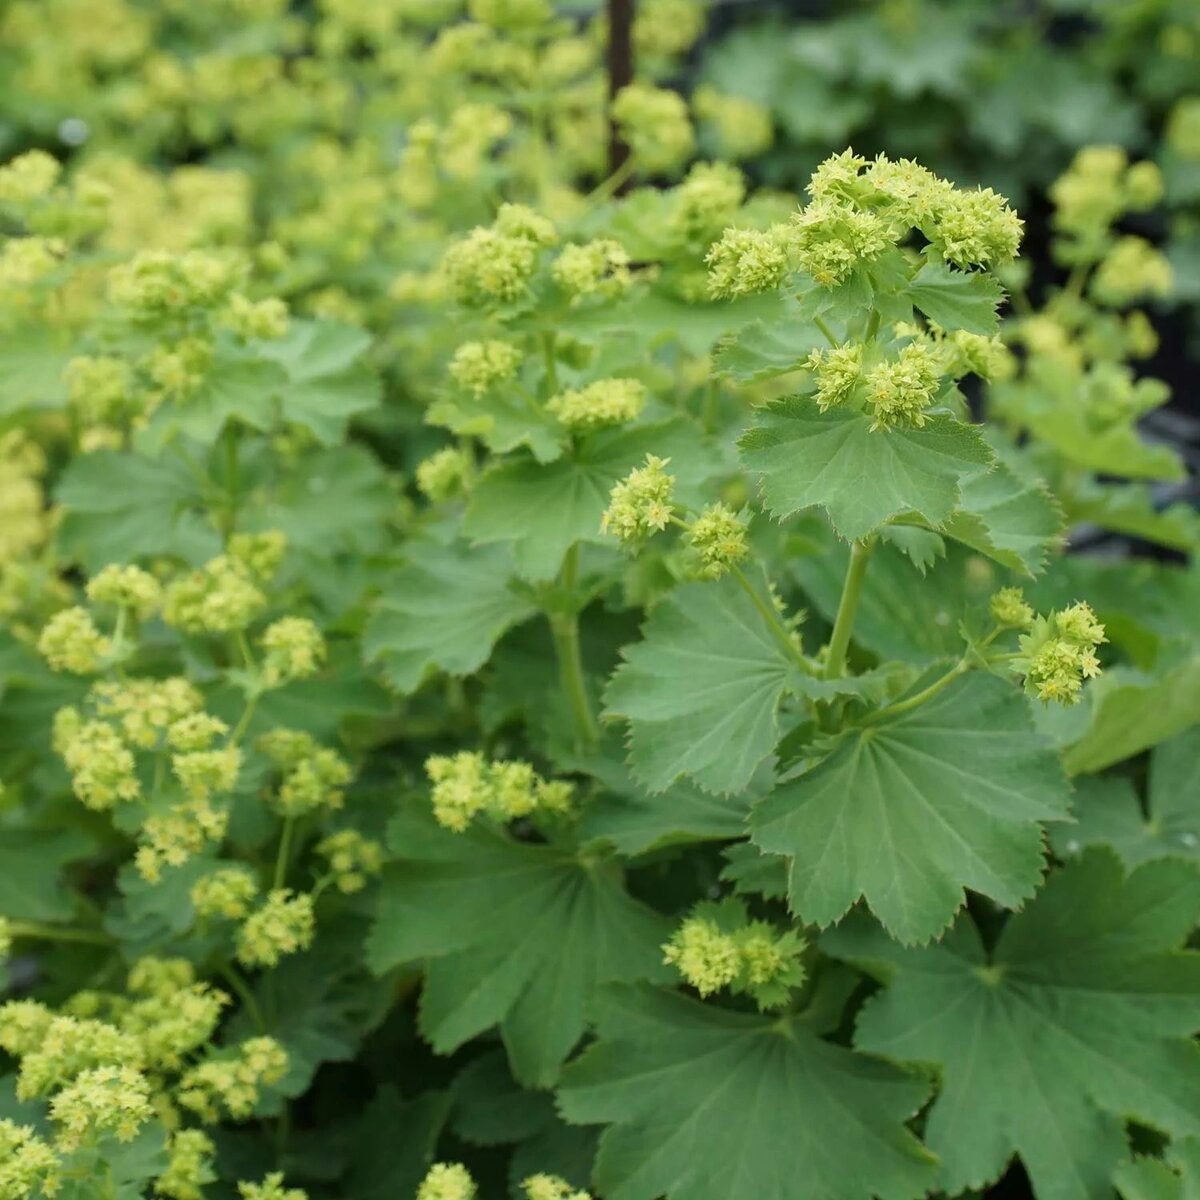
[743,127]
[1098,187]
[859,209]
[265,320]
[838,373]
[1008,608]
[665,28]
[173,1015]
[706,202]
[293,648]
[313,776]
[28,177]
[220,597]
[466,785]
[100,389]
[748,260]
[719,537]
[444,473]
[171,837]
[271,1188]
[494,264]
[447,1181]
[29,1165]
[718,947]
[1182,133]
[551,1187]
[54,1050]
[599,266]
[260,553]
[145,709]
[126,587]
[640,504]
[232,1080]
[102,767]
[157,283]
[478,366]
[1131,271]
[655,124]
[899,390]
[285,924]
[1059,653]
[103,1100]
[189,1166]
[352,858]
[604,402]
[71,642]
[226,893]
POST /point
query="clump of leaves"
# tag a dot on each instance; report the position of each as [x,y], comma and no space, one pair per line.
[601,804]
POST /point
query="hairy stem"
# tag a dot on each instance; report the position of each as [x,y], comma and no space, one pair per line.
[242,990]
[843,625]
[771,619]
[550,361]
[285,853]
[564,627]
[820,323]
[39,931]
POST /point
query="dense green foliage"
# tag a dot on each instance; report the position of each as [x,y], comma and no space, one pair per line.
[523,680]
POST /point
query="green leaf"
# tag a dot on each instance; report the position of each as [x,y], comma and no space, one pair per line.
[327,380]
[901,615]
[444,610]
[544,509]
[635,821]
[765,350]
[956,299]
[32,361]
[707,1104]
[1012,521]
[1175,1177]
[1080,1018]
[503,420]
[910,812]
[334,500]
[239,384]
[1130,509]
[1108,811]
[1129,711]
[860,476]
[556,927]
[701,691]
[155,510]
[383,1165]
[31,867]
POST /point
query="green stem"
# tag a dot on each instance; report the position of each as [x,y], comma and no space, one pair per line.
[229,513]
[843,625]
[771,618]
[285,853]
[819,322]
[564,627]
[244,723]
[608,187]
[54,933]
[244,994]
[872,326]
[922,697]
[550,361]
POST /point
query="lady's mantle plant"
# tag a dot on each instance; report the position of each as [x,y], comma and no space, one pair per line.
[714,836]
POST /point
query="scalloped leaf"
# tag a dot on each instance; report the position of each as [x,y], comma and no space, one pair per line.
[908,813]
[1080,1018]
[707,1104]
[861,477]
